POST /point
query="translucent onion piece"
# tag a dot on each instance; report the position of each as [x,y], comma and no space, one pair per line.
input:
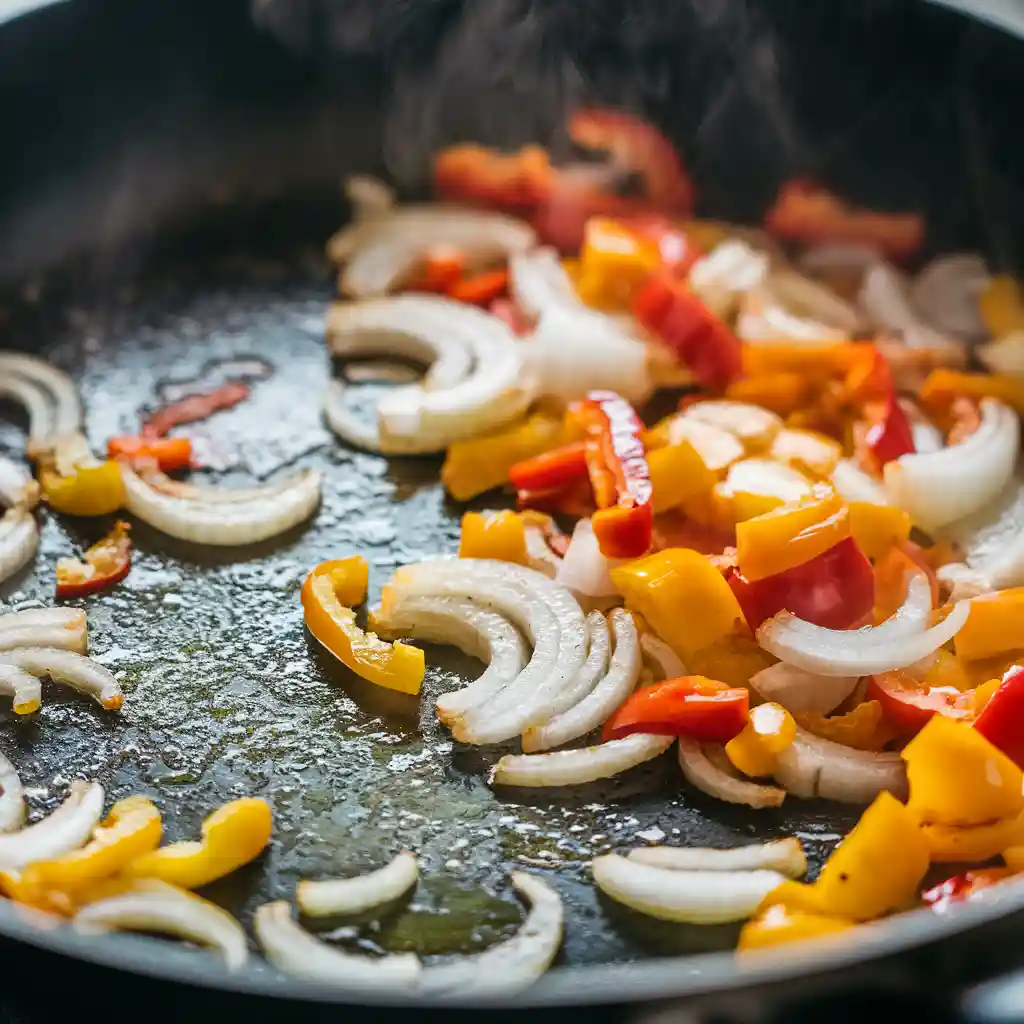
[369,196]
[63,408]
[814,767]
[539,555]
[12,797]
[1004,355]
[356,431]
[64,628]
[17,487]
[516,963]
[25,691]
[799,691]
[981,466]
[815,301]
[838,256]
[884,296]
[727,272]
[359,894]
[538,282]
[67,828]
[584,570]
[667,663]
[709,778]
[574,767]
[853,484]
[70,669]
[153,906]
[295,952]
[598,705]
[763,318]
[783,855]
[694,897]
[594,668]
[946,292]
[19,539]
[224,523]
[210,495]
[480,633]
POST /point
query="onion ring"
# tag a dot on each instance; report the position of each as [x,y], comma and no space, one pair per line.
[946,292]
[783,855]
[709,778]
[667,662]
[24,689]
[63,628]
[853,484]
[67,828]
[17,488]
[48,394]
[538,282]
[360,894]
[12,797]
[799,691]
[594,668]
[19,540]
[75,670]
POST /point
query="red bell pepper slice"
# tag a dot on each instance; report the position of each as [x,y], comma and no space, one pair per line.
[480,289]
[439,271]
[705,709]
[170,453]
[890,437]
[908,703]
[836,589]
[550,470]
[573,499]
[107,562]
[963,886]
[475,174]
[1001,721]
[195,407]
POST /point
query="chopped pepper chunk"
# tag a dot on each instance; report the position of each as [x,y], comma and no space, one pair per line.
[769,731]
[169,453]
[500,535]
[106,563]
[994,626]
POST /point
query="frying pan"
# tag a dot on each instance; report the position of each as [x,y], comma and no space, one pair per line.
[170,174]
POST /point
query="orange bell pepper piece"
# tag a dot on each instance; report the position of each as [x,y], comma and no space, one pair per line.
[614,263]
[816,363]
[1002,306]
[500,535]
[439,270]
[480,289]
[783,392]
[678,474]
[769,731]
[170,453]
[779,925]
[943,386]
[861,728]
[994,626]
[877,528]
[483,176]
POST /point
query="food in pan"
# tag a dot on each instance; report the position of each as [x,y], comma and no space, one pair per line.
[806,580]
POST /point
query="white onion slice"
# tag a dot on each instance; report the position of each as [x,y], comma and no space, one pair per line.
[946,292]
[359,433]
[152,906]
[511,965]
[884,295]
[539,555]
[667,663]
[1004,355]
[57,412]
[480,633]
[730,270]
[601,702]
[709,778]
[17,487]
[799,691]
[19,539]
[12,797]
[359,894]
[584,570]
[763,319]
[70,669]
[694,897]
[538,282]
[24,689]
[981,466]
[66,829]
[205,494]
[594,668]
[225,523]
[783,855]
[814,767]
[63,628]
[815,301]
[369,196]
[853,484]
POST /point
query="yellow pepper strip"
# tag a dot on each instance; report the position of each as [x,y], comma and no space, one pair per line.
[981,695]
[960,844]
[877,528]
[994,626]
[473,467]
[718,449]
[500,535]
[1002,306]
[783,393]
[753,487]
[791,535]
[396,666]
[350,576]
[768,732]
[816,363]
[942,386]
[731,660]
[232,836]
[614,264]
[683,597]
[755,428]
[858,728]
[779,925]
[678,474]
[89,490]
[706,234]
[958,778]
[807,451]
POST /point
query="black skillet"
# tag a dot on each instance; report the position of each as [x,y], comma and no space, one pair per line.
[169,175]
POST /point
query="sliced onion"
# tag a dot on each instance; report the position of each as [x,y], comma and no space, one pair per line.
[584,570]
[19,539]
[369,196]
[64,628]
[75,670]
[832,256]
[12,797]
[511,965]
[539,555]
[17,488]
[815,301]
[814,767]
[538,282]
[1004,355]
[601,702]
[945,294]
[594,668]
[205,494]
[209,520]
[25,691]
[709,778]
[730,270]
[693,897]
[381,251]
[853,484]
[981,466]
[480,633]
[799,691]
[668,664]
[884,295]
[66,829]
[763,318]
[359,894]
[783,855]
[48,394]
[153,906]
[359,433]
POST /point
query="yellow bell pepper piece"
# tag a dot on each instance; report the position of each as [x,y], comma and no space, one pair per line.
[876,528]
[858,728]
[756,486]
[1014,857]
[232,836]
[778,925]
[962,844]
[89,490]
[678,475]
[768,732]
[731,660]
[717,448]
[941,386]
[707,234]
[350,576]
[791,535]
[683,597]
[815,363]
[1002,306]
[614,263]
[755,428]
[807,451]
[957,777]
[783,393]
[396,666]
[500,535]
[983,694]
[994,626]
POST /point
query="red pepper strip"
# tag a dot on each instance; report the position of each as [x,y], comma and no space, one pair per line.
[170,453]
[441,268]
[891,436]
[1001,721]
[552,470]
[704,343]
[474,174]
[574,499]
[834,589]
[696,706]
[961,887]
[907,703]
[195,407]
[106,563]
[480,289]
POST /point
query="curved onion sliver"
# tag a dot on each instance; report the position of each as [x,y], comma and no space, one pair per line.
[584,570]
[594,668]
[295,952]
[49,395]
[152,906]
[1004,355]
[75,670]
[763,319]
[360,433]
[783,855]
[24,689]
[668,664]
[205,494]
[813,767]
[884,295]
[17,488]
[799,691]
[63,628]
[66,829]
[538,282]
[853,484]
[695,897]
[730,270]
[574,767]
[515,963]
[19,539]
[981,466]
[12,797]
[359,894]
[228,523]
[946,292]
[539,555]
[831,256]
[369,196]
[599,704]
[480,633]
[814,300]
[709,778]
